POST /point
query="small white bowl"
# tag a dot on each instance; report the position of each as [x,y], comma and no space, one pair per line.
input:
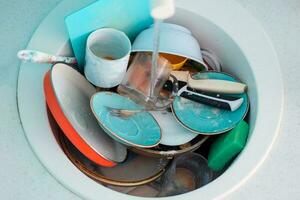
[174,39]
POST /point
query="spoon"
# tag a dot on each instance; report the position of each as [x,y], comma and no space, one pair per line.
[41,57]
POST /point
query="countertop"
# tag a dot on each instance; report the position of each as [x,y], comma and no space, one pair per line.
[23,176]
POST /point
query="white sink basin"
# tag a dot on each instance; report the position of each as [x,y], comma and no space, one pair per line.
[223,27]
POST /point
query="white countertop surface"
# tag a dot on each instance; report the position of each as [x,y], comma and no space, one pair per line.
[22,175]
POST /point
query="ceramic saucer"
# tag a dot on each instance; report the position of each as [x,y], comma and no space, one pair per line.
[68,94]
[204,119]
[173,134]
[139,130]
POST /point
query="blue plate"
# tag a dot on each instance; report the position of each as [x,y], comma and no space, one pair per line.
[204,119]
[139,130]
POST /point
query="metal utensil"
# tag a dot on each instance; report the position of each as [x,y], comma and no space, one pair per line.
[210,85]
[213,85]
[124,113]
[213,99]
[41,57]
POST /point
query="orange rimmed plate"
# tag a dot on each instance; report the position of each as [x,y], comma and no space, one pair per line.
[68,95]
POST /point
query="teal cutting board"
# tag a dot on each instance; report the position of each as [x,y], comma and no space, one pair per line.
[129,16]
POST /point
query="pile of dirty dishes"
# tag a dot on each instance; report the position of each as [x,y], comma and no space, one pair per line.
[112,127]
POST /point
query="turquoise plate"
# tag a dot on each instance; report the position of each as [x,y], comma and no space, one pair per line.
[139,130]
[204,119]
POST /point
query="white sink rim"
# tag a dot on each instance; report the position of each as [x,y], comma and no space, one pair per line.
[246,165]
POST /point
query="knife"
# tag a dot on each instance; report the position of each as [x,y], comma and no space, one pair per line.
[210,85]
[227,102]
[214,85]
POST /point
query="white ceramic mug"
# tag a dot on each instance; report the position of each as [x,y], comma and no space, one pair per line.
[107,57]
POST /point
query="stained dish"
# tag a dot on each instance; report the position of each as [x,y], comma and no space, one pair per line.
[207,120]
[173,134]
[163,151]
[182,176]
[67,94]
[139,130]
[126,174]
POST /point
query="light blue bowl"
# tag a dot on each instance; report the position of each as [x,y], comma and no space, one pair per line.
[139,130]
[207,120]
[174,39]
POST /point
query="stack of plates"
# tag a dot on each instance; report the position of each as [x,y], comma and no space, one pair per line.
[207,120]
[108,147]
[68,96]
[125,174]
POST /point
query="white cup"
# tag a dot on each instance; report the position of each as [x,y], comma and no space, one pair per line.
[107,57]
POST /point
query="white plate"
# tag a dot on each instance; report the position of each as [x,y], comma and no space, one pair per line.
[173,134]
[73,93]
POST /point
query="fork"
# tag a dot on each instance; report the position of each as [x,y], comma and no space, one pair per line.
[124,113]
